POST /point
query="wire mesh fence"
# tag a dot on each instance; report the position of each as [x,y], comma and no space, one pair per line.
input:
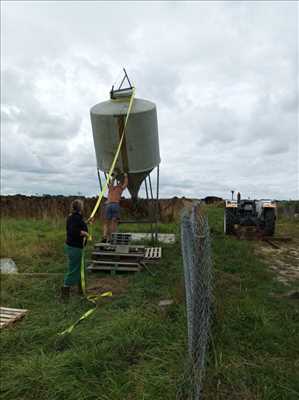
[196,250]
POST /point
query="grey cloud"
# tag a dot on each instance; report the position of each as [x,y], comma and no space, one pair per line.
[289,102]
[55,126]
[223,79]
[22,106]
[160,82]
[218,124]
[276,148]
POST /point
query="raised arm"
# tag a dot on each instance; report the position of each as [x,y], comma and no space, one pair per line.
[125,184]
[110,182]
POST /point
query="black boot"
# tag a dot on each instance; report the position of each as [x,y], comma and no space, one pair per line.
[65,293]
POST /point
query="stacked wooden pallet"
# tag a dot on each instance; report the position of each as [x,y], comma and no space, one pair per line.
[108,257]
[152,253]
[10,315]
[121,238]
[120,257]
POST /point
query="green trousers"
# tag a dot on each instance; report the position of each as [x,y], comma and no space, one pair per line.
[73,276]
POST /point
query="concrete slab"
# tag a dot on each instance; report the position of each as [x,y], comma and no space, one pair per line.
[162,237]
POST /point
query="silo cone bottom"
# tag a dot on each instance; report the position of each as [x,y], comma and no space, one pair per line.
[135,181]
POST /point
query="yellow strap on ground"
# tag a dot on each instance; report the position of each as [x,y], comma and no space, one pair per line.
[95,297]
[84,316]
[92,297]
[115,158]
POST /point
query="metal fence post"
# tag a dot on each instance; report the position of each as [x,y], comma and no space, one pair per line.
[196,251]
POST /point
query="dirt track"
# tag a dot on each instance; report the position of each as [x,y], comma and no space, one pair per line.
[284,261]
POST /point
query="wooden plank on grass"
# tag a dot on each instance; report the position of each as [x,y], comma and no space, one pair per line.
[6,312]
[13,309]
[6,316]
[9,315]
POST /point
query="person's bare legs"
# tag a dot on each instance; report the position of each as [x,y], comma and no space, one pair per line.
[106,229]
[114,224]
[109,230]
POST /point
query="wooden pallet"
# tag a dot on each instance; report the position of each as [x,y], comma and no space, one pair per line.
[121,238]
[120,250]
[109,257]
[116,254]
[112,247]
[9,315]
[153,253]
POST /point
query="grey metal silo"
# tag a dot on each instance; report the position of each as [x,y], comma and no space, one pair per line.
[140,152]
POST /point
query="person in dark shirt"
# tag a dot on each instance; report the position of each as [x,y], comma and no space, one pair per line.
[76,234]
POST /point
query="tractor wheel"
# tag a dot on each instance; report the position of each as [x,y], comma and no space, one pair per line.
[270,218]
[228,221]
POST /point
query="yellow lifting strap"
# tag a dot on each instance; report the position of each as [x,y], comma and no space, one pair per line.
[114,161]
[83,286]
[85,315]
[95,298]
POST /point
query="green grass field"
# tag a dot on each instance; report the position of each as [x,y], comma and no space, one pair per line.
[130,348]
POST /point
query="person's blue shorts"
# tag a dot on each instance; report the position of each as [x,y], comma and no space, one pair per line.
[112,211]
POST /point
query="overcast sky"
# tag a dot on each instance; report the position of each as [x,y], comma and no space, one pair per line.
[224,77]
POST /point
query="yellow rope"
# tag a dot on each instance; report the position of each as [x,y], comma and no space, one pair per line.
[95,298]
[114,160]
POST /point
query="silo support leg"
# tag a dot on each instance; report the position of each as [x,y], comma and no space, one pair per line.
[157,203]
[148,202]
